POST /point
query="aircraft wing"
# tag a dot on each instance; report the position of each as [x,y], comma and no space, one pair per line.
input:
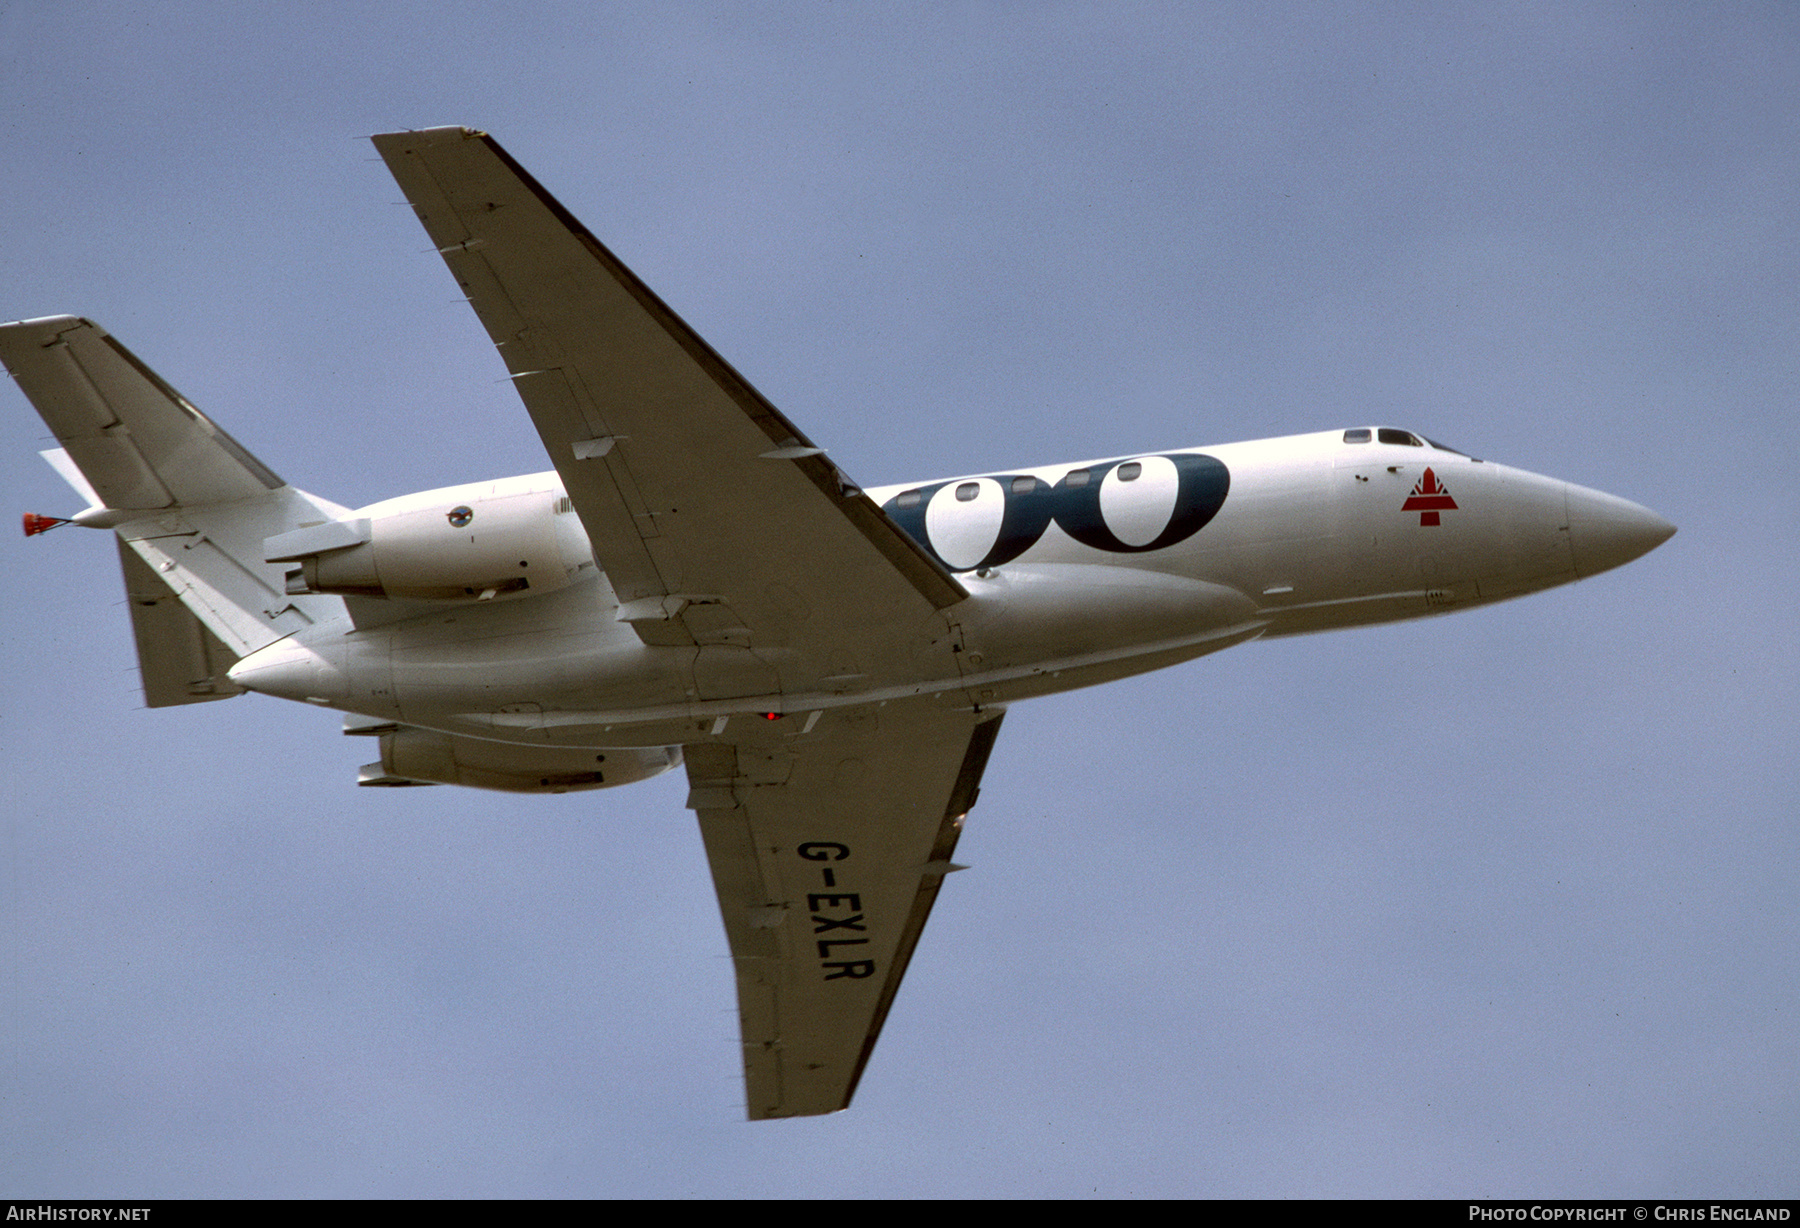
[827,853]
[695,491]
[720,525]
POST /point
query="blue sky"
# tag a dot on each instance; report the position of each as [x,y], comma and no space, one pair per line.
[1502,904]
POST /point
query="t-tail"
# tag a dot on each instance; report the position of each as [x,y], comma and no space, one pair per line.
[190,506]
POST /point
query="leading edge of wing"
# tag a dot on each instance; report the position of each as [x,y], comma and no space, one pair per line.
[592,377]
[827,859]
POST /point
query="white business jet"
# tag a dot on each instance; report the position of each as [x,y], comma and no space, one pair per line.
[697,583]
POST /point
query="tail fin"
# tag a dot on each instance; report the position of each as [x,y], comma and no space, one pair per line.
[184,496]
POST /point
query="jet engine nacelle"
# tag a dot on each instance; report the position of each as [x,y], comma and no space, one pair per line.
[460,543]
[422,756]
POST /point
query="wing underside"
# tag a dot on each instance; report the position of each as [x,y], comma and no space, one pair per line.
[695,491]
[827,855]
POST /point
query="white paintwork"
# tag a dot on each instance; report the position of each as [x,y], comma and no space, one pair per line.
[1137,509]
[964,530]
[696,566]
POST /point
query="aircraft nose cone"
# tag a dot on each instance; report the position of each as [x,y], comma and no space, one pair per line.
[1607,531]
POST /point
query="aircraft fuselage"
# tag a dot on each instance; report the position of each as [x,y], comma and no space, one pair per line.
[1077,574]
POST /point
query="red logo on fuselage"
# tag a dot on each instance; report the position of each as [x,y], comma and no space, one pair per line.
[1428,499]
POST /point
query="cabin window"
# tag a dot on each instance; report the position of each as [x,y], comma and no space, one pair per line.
[1361,434]
[1129,471]
[967,491]
[1076,478]
[1023,486]
[908,498]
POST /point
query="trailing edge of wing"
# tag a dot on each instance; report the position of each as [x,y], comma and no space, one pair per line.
[688,481]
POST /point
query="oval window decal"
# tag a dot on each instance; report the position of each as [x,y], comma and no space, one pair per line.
[1147,503]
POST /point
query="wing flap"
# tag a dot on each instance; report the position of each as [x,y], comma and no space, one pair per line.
[827,855]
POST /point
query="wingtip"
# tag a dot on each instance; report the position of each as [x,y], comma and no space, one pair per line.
[452,132]
[47,322]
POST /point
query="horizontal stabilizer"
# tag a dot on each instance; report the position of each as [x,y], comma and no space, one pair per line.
[137,441]
[180,660]
[191,504]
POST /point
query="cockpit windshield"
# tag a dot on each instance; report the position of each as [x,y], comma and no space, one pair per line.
[1393,435]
